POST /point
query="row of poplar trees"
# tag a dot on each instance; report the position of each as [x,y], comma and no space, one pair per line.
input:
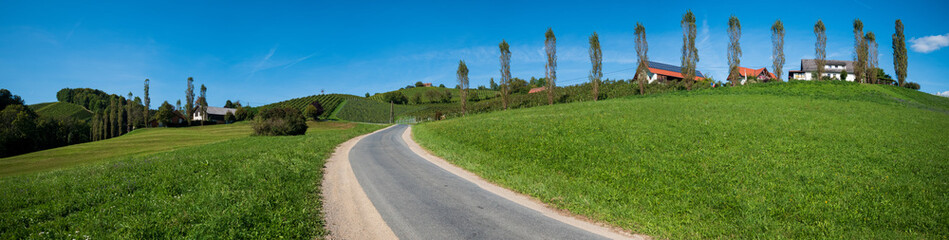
[122,115]
[865,64]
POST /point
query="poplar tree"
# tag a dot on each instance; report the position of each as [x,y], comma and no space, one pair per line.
[463,83]
[550,47]
[112,118]
[148,103]
[860,52]
[820,53]
[872,57]
[505,72]
[900,58]
[690,54]
[734,49]
[596,59]
[642,50]
[128,112]
[189,100]
[777,48]
[203,104]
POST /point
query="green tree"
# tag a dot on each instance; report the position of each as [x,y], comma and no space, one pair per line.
[899,53]
[189,100]
[642,52]
[843,75]
[367,94]
[128,112]
[777,48]
[419,84]
[148,103]
[493,85]
[7,98]
[463,82]
[165,114]
[505,59]
[872,57]
[596,59]
[228,117]
[203,104]
[820,53]
[229,104]
[860,52]
[550,47]
[690,54]
[734,49]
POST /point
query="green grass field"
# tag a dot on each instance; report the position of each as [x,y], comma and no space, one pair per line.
[62,109]
[365,110]
[229,187]
[141,141]
[784,160]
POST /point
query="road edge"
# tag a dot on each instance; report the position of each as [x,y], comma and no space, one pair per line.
[348,212]
[520,199]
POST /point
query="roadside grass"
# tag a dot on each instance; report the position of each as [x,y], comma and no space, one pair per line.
[245,187]
[140,141]
[61,110]
[771,161]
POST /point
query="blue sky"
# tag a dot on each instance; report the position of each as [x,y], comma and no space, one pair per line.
[260,53]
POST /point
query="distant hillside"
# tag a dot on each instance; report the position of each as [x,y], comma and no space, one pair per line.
[62,109]
[329,102]
[359,109]
[411,92]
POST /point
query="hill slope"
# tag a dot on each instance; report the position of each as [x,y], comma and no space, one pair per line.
[420,91]
[328,101]
[62,109]
[783,160]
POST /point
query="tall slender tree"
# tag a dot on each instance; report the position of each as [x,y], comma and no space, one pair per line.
[873,59]
[505,72]
[178,106]
[690,54]
[734,49]
[120,114]
[189,100]
[128,111]
[596,58]
[203,104]
[899,53]
[112,117]
[820,53]
[860,52]
[642,63]
[463,83]
[777,48]
[148,103]
[550,46]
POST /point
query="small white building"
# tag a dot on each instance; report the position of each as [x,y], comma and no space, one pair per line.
[832,69]
[215,114]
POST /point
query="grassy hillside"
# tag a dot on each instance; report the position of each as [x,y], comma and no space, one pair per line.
[245,187]
[138,142]
[329,102]
[62,109]
[411,92]
[784,160]
[365,110]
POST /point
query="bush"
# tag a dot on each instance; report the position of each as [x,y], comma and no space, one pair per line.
[911,85]
[228,117]
[279,121]
[314,110]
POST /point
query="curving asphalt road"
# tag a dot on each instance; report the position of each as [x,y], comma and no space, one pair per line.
[420,200]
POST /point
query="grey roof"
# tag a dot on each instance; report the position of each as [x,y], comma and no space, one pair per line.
[672,68]
[220,111]
[810,65]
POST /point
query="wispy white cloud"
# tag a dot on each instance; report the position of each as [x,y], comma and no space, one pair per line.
[944,94]
[298,60]
[930,43]
[73,30]
[262,62]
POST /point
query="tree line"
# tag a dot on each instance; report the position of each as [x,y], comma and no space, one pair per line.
[866,64]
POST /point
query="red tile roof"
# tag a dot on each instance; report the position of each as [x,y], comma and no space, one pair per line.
[537,89]
[743,71]
[670,73]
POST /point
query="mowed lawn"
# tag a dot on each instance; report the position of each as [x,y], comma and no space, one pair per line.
[141,141]
[785,160]
[246,187]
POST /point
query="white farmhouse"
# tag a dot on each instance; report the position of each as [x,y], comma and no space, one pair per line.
[215,114]
[832,69]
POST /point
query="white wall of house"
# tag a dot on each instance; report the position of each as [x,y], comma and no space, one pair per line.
[197,116]
[807,76]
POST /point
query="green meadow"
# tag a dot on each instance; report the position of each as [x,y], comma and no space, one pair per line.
[779,160]
[191,183]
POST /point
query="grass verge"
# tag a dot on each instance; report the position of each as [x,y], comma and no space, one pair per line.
[851,161]
[247,187]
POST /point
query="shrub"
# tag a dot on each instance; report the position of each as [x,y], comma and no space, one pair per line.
[314,110]
[279,121]
[228,117]
[911,85]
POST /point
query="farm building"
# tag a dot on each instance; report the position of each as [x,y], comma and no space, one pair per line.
[760,74]
[537,89]
[214,114]
[664,72]
[832,69]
